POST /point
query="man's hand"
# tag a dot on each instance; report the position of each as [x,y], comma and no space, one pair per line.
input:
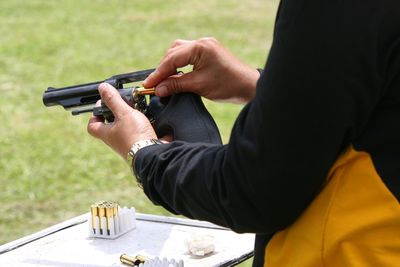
[217,74]
[129,125]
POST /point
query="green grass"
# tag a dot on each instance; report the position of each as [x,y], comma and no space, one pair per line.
[50,168]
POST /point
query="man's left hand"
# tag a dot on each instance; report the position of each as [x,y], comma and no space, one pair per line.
[129,126]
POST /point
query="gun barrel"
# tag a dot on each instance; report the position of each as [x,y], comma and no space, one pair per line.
[72,96]
[88,94]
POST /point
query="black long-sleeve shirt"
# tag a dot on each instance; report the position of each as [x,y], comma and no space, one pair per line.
[332,67]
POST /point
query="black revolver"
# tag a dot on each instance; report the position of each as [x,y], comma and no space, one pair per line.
[183,116]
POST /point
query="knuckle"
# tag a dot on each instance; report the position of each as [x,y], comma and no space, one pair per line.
[170,51]
[168,57]
[176,42]
[208,41]
[125,112]
[165,61]
[175,86]
[206,44]
[108,96]
[169,63]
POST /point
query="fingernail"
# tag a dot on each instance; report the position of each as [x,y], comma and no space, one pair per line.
[162,90]
[103,86]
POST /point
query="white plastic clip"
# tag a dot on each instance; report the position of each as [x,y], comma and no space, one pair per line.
[108,220]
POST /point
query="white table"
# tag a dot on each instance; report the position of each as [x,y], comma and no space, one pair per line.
[68,244]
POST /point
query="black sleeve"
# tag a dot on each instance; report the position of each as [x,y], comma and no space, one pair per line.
[319,86]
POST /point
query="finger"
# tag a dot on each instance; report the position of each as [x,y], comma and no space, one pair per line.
[177,44]
[178,83]
[181,57]
[113,100]
[96,127]
[172,50]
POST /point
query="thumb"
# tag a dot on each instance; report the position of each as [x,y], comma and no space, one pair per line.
[97,128]
[111,97]
[176,84]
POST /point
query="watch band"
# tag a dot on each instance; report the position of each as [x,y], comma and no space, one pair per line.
[133,151]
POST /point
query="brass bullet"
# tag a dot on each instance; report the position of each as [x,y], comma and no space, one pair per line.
[132,261]
[141,258]
[101,214]
[93,209]
[145,91]
[109,214]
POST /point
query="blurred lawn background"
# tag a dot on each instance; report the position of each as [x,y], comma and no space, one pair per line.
[50,168]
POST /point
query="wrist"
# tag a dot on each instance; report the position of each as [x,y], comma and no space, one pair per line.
[251,75]
[135,148]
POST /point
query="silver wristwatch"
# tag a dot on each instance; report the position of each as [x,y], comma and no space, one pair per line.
[133,151]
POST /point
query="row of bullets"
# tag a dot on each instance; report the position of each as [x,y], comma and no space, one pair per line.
[108,220]
[101,209]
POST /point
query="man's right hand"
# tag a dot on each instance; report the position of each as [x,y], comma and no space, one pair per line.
[217,74]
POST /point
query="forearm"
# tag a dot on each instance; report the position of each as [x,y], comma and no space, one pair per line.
[199,182]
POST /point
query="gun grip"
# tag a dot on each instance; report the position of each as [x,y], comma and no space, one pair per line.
[185,117]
